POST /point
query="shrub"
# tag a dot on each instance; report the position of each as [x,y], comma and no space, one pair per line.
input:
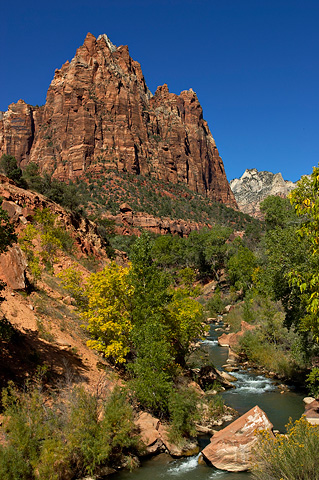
[52,237]
[271,344]
[216,304]
[290,457]
[183,412]
[7,330]
[313,381]
[62,437]
[235,317]
[9,166]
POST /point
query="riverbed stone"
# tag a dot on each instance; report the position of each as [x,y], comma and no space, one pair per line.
[148,426]
[232,339]
[187,448]
[208,375]
[230,448]
[227,376]
[312,412]
[231,368]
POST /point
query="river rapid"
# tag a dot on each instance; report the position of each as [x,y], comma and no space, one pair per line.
[250,389]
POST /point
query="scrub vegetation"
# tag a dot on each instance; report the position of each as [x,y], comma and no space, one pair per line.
[146,317]
[291,456]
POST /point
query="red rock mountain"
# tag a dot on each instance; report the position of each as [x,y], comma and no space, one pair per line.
[99,115]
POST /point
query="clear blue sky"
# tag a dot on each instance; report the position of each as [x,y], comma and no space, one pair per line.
[254,65]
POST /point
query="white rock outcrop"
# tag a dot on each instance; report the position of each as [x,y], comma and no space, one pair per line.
[253,187]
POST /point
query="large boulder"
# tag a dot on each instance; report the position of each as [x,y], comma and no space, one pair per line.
[232,339]
[312,411]
[155,438]
[208,375]
[13,268]
[230,448]
[148,427]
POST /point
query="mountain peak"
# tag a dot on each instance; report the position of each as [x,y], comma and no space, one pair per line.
[254,186]
[99,118]
[108,42]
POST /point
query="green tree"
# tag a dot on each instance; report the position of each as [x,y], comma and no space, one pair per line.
[207,250]
[33,178]
[241,267]
[9,167]
[305,198]
[278,212]
[153,365]
[7,231]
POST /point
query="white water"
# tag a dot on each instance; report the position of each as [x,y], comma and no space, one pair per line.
[250,390]
[252,384]
[181,469]
[186,466]
[209,342]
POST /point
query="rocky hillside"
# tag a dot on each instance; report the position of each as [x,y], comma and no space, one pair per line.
[253,187]
[100,117]
[39,317]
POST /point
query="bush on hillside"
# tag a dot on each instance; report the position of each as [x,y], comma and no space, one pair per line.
[64,437]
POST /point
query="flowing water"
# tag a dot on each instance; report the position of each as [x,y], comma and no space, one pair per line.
[251,389]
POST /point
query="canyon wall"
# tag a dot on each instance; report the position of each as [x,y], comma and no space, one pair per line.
[99,115]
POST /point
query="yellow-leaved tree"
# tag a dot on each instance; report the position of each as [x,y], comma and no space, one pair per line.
[186,323]
[104,303]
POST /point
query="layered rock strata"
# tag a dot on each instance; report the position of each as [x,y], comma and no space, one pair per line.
[128,222]
[99,111]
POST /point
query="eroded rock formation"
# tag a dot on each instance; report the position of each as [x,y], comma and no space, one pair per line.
[253,187]
[99,111]
[128,222]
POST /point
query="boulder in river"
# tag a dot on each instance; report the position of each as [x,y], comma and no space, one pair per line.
[312,412]
[232,339]
[230,448]
[148,426]
[208,375]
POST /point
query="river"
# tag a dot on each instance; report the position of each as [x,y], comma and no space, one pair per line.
[251,389]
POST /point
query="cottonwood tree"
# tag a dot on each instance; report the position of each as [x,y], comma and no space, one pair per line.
[305,198]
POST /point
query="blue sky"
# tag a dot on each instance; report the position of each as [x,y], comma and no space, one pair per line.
[254,65]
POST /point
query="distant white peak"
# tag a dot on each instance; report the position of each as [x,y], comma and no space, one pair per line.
[108,42]
[249,173]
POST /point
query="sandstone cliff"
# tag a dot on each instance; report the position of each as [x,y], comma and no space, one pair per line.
[100,116]
[253,187]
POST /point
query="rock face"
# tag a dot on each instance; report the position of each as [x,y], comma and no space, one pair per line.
[13,268]
[128,222]
[230,448]
[100,116]
[253,187]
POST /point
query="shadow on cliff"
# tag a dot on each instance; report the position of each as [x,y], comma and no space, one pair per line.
[24,354]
